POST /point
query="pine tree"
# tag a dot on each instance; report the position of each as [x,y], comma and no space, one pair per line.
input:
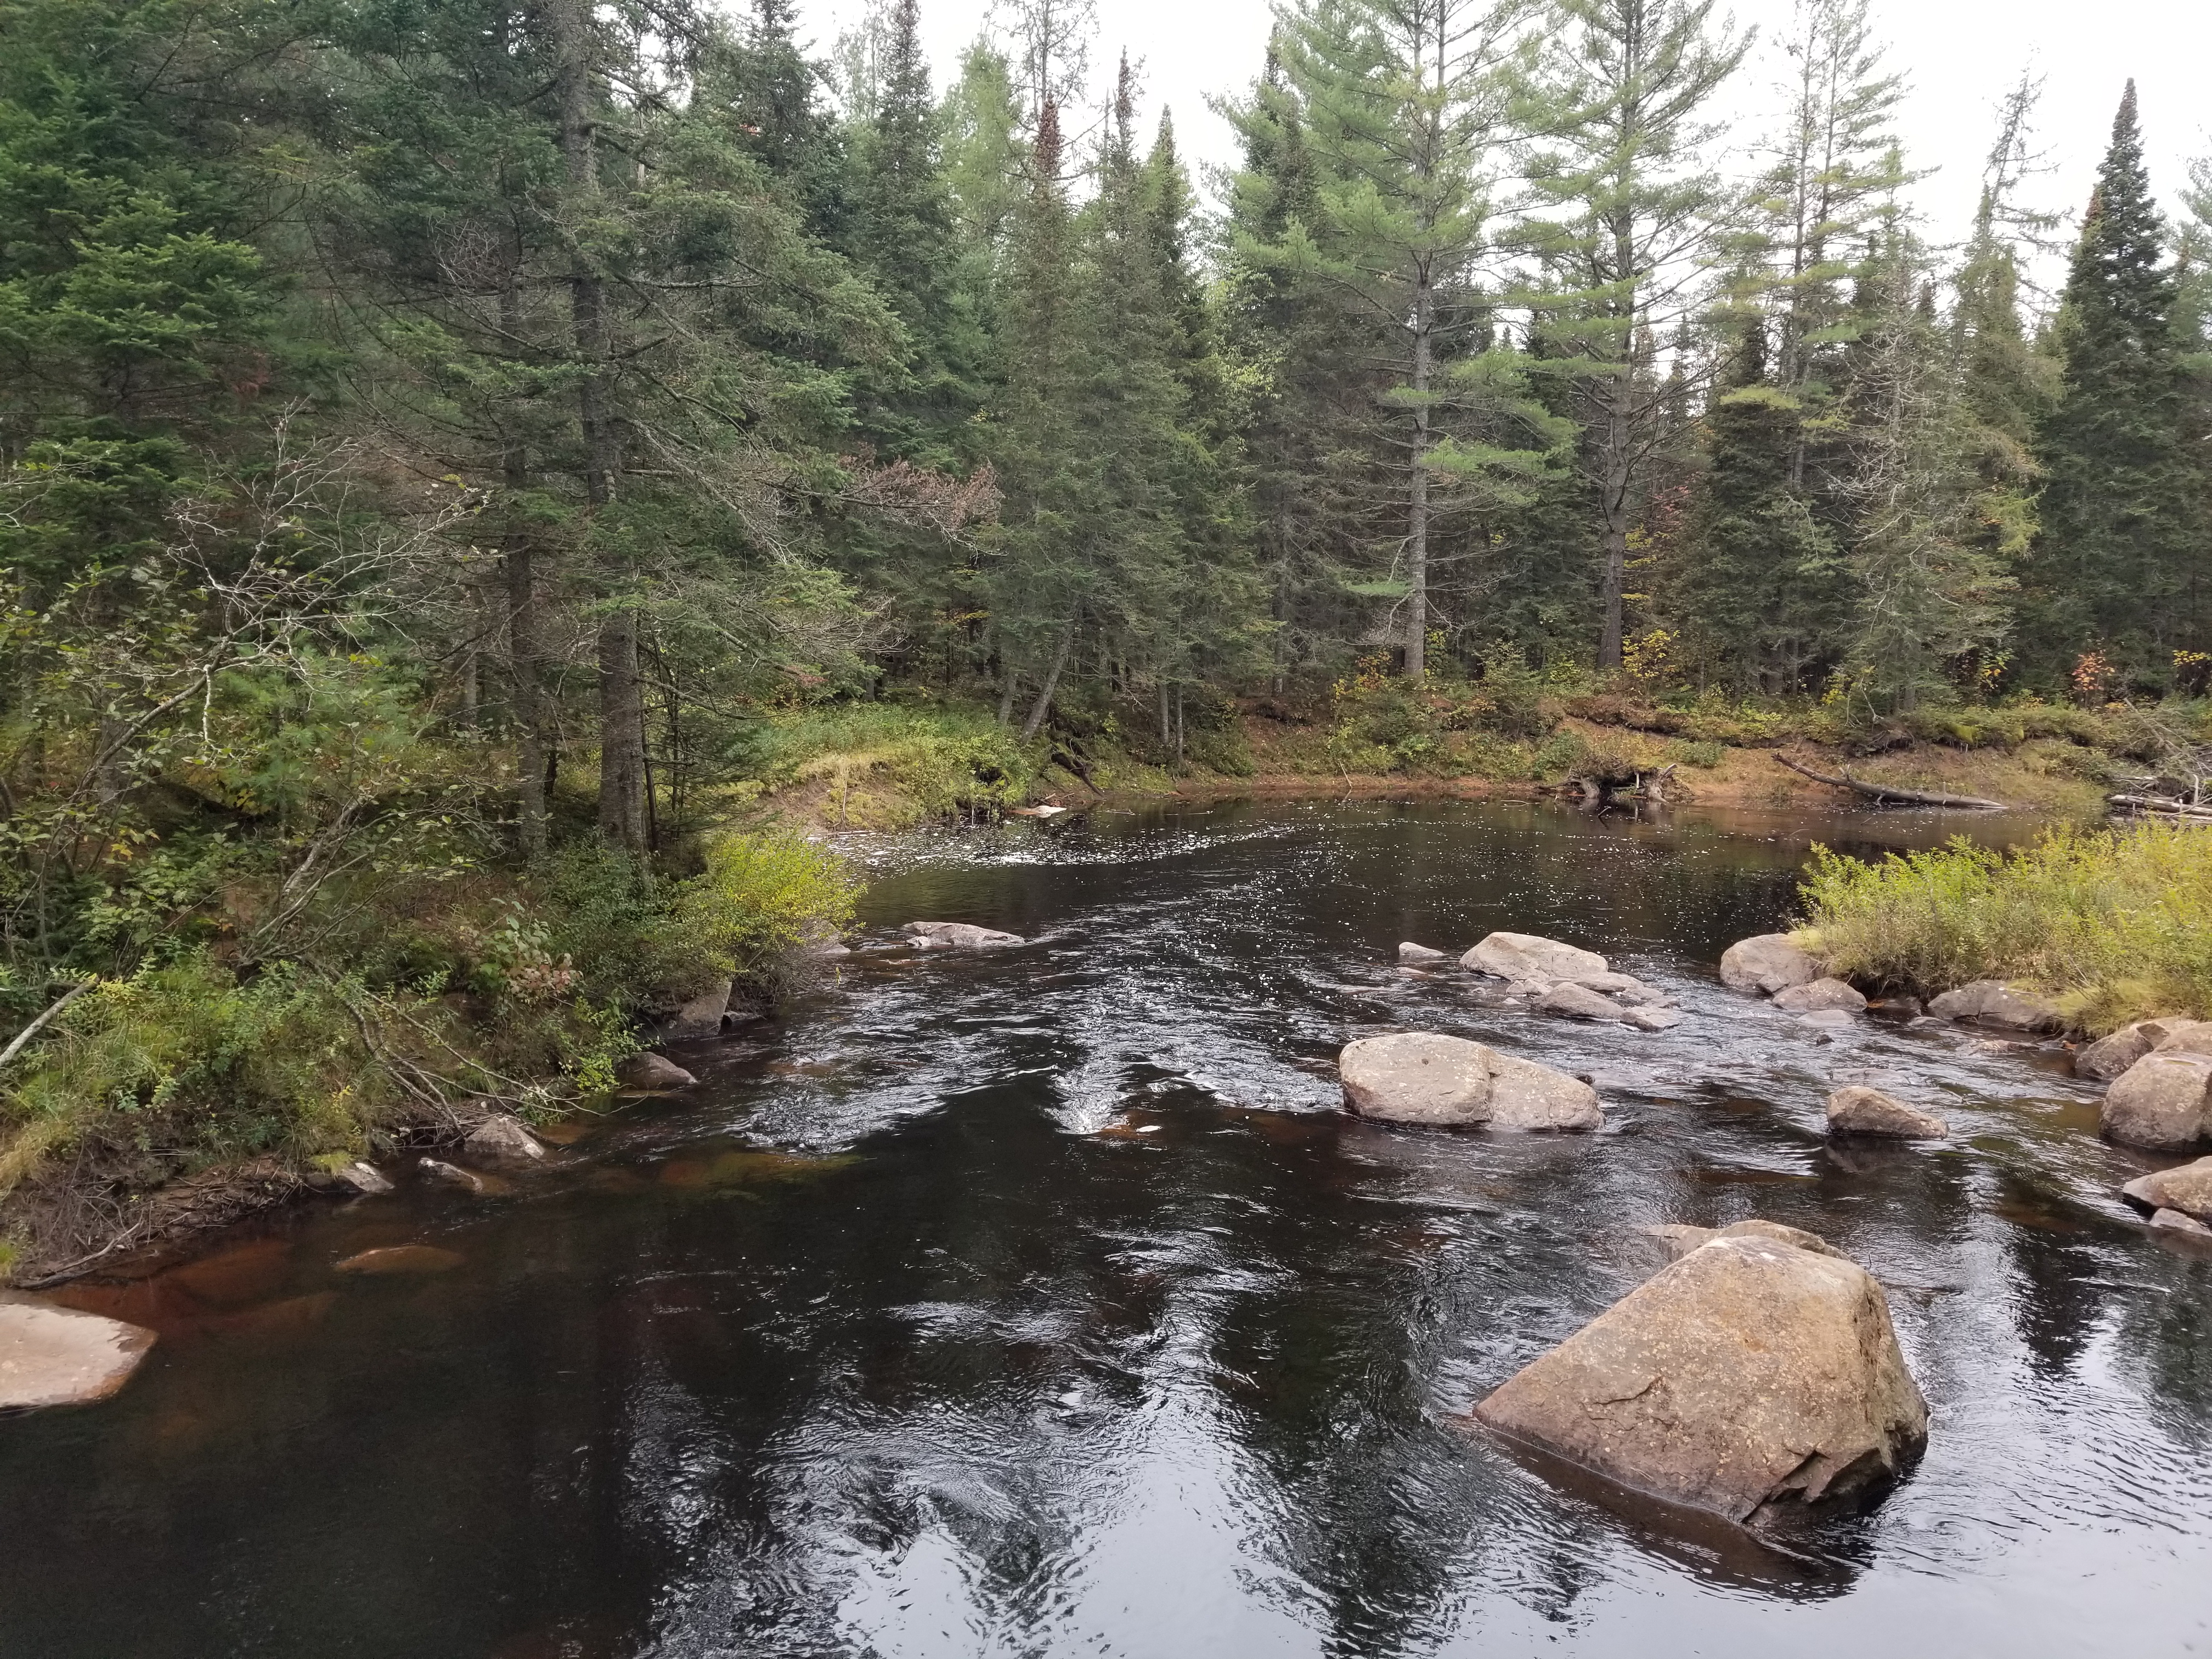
[2112,568]
[1403,105]
[1619,104]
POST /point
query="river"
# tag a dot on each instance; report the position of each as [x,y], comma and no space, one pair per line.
[1042,1302]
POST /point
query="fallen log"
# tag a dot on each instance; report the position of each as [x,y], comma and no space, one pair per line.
[1889,794]
[2162,807]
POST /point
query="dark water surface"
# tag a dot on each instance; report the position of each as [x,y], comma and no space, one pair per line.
[1041,1303]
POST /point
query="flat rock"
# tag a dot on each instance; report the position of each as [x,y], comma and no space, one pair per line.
[2175,1221]
[1859,1110]
[1826,1019]
[1996,1003]
[1417,1077]
[1768,962]
[1528,956]
[648,1071]
[2161,1101]
[965,935]
[50,1355]
[1746,1379]
[403,1259]
[1818,993]
[1652,1020]
[362,1178]
[2187,1188]
[502,1138]
[1420,955]
[1579,1002]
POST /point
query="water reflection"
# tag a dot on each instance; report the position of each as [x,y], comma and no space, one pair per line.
[1040,1303]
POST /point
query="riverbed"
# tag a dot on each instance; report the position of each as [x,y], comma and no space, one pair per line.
[1043,1302]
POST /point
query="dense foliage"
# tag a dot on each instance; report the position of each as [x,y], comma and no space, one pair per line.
[456,454]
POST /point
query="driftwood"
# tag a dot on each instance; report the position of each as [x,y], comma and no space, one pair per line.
[1888,795]
[1601,789]
[2160,806]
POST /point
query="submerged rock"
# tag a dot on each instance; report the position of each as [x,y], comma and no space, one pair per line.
[50,1355]
[469,1181]
[1818,993]
[2187,1188]
[1996,1003]
[965,935]
[1417,1077]
[2161,1101]
[1859,1110]
[1768,962]
[1414,955]
[1750,1376]
[1653,1019]
[403,1259]
[1527,955]
[648,1071]
[1826,1019]
[502,1138]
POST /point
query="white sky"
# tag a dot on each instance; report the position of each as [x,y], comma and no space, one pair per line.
[1957,56]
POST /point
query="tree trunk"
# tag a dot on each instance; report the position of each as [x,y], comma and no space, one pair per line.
[1417,488]
[622,734]
[523,657]
[1044,704]
[1615,504]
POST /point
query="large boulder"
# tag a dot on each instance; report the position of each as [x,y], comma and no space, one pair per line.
[1419,1077]
[1996,1003]
[1680,1241]
[1526,955]
[964,934]
[701,1017]
[1859,1110]
[501,1139]
[2109,1056]
[2187,1188]
[2161,1101]
[1819,994]
[1747,1377]
[1767,962]
[2180,1037]
[50,1355]
[648,1071]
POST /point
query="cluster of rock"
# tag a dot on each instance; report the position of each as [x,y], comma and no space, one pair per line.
[2178,1199]
[1756,1375]
[2161,1073]
[1448,1082]
[1559,979]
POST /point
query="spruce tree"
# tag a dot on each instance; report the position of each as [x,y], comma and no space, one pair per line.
[2112,567]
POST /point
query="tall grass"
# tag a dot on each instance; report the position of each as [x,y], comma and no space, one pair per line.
[2115,925]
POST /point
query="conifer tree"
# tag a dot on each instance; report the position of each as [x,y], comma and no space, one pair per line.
[2112,568]
[1627,202]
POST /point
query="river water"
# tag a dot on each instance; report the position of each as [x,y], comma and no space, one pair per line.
[1042,1302]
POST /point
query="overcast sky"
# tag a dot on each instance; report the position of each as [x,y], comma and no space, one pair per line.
[1957,56]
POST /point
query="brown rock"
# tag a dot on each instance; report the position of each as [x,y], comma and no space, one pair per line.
[1858,1110]
[2187,1188]
[1747,1376]
[1768,962]
[2161,1101]
[1816,995]
[403,1259]
[1996,1003]
[2109,1056]
[1417,1077]
[55,1355]
[1680,1240]
[646,1071]
[2175,1221]
[1527,955]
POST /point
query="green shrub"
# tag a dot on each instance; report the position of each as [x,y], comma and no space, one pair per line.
[1701,752]
[759,897]
[2117,924]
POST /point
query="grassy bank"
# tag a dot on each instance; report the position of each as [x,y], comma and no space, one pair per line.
[411,1007]
[2114,925]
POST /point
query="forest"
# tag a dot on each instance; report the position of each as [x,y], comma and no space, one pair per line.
[459,458]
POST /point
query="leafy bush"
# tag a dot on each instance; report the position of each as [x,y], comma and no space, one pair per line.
[2117,924]
[759,897]
[1701,752]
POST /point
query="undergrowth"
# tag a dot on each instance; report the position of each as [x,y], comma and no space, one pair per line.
[2116,925]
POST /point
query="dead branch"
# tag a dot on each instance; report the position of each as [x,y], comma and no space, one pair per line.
[1883,795]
